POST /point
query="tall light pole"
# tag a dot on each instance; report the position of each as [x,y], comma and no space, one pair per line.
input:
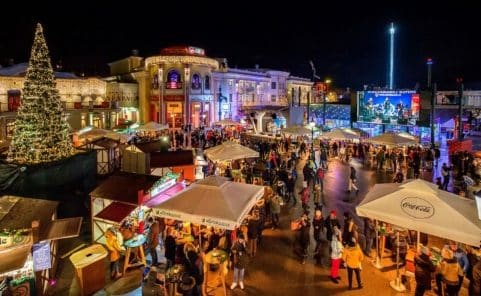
[327,81]
[392,31]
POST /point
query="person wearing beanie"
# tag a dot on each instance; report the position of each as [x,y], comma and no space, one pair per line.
[330,223]
[423,270]
[353,257]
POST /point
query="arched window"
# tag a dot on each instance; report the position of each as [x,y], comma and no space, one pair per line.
[207,82]
[196,83]
[173,79]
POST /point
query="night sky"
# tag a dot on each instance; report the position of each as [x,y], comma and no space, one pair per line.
[346,42]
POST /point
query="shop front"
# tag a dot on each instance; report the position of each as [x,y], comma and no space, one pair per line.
[200,113]
[174,114]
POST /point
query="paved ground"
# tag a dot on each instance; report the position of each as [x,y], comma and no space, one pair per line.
[276,270]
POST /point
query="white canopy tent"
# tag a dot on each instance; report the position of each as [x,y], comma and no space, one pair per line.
[341,134]
[394,139]
[296,130]
[230,151]
[151,127]
[420,205]
[227,122]
[213,201]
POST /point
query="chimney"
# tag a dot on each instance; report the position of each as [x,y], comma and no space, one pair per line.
[135,52]
[11,62]
[257,66]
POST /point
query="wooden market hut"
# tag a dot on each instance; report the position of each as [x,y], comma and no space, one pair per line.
[115,199]
[108,154]
[38,217]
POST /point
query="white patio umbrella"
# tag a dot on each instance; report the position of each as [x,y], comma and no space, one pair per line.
[213,201]
[296,130]
[341,134]
[227,122]
[151,127]
[419,205]
[230,151]
[394,139]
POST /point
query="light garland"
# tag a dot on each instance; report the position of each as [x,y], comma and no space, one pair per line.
[41,132]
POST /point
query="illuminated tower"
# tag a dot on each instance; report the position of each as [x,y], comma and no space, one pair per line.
[391,56]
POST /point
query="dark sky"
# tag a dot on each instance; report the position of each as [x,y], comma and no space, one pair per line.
[347,42]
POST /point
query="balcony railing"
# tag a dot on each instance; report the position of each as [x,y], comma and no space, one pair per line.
[266,102]
[92,105]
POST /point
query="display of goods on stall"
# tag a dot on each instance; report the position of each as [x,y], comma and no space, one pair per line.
[11,237]
[168,180]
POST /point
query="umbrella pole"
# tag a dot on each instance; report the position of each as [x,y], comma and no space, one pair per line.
[397,284]
[377,261]
[418,241]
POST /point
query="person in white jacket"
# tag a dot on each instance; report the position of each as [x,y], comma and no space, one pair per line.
[336,255]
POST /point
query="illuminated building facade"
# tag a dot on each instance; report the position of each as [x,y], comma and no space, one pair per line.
[85,99]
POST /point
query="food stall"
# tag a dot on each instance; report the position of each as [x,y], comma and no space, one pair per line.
[214,202]
[29,242]
[420,206]
[127,197]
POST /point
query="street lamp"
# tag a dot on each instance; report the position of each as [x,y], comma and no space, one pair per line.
[312,124]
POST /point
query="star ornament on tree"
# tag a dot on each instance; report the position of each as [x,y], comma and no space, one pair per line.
[41,131]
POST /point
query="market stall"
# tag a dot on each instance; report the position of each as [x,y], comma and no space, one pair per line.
[419,205]
[108,154]
[213,201]
[126,197]
[28,242]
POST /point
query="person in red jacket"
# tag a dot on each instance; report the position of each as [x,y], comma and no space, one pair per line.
[305,195]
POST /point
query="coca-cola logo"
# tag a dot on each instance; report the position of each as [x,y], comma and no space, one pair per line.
[417,207]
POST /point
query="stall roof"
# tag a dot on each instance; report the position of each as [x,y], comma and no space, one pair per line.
[124,187]
[172,158]
[116,212]
[62,228]
[25,211]
[105,143]
[149,147]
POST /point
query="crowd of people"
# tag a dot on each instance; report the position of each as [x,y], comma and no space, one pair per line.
[292,172]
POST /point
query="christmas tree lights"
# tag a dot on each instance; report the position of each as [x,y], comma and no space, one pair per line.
[41,131]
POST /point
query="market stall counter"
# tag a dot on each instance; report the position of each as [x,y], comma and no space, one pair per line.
[89,266]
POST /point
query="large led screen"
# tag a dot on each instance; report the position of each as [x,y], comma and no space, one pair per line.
[391,107]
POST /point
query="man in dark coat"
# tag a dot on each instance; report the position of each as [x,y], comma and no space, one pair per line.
[329,223]
[423,269]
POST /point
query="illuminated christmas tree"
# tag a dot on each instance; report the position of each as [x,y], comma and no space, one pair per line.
[41,131]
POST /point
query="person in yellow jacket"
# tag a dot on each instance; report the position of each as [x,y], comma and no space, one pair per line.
[450,270]
[353,257]
[114,249]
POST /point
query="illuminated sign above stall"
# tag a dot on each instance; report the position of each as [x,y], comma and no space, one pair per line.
[167,181]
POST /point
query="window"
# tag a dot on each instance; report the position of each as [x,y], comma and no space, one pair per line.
[196,84]
[253,98]
[207,82]
[173,79]
[273,85]
[231,82]
[230,98]
[273,98]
